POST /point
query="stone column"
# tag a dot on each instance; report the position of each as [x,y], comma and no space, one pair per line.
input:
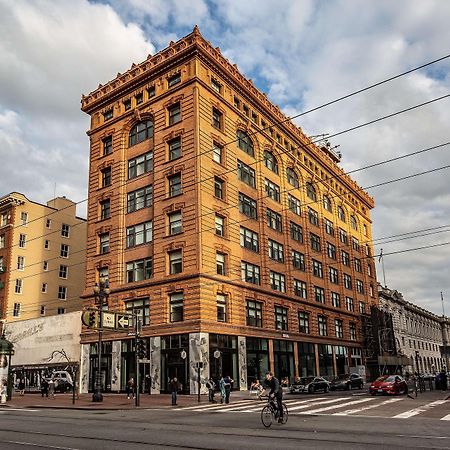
[198,352]
[155,363]
[242,361]
[296,361]
[84,369]
[116,365]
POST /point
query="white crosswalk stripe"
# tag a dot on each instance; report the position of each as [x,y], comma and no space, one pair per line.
[447,417]
[292,404]
[421,409]
[327,408]
[365,408]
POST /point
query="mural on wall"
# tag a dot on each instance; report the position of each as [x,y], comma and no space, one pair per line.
[242,349]
[115,365]
[155,358]
[84,369]
[198,352]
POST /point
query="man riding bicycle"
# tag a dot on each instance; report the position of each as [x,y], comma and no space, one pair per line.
[276,392]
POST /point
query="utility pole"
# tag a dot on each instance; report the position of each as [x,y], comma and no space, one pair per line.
[442,300]
[137,330]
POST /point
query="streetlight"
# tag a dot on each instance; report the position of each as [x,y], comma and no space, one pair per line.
[101,294]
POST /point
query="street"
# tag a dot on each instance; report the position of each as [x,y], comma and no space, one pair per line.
[342,420]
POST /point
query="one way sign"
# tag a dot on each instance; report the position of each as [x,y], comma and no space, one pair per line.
[122,321]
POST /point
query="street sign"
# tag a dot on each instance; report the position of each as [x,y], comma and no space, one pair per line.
[108,320]
[217,354]
[144,361]
[183,354]
[123,321]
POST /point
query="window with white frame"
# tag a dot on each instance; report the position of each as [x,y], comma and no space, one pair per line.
[322,325]
[294,204]
[219,223]
[220,263]
[62,292]
[175,223]
[339,328]
[359,287]
[139,199]
[19,286]
[20,262]
[139,270]
[331,250]
[296,232]
[141,233]
[317,268]
[270,161]
[335,299]
[247,206]
[276,251]
[140,307]
[345,258]
[341,213]
[347,281]
[174,148]
[272,190]
[22,240]
[298,260]
[63,271]
[176,304]
[333,275]
[319,294]
[249,239]
[16,310]
[103,243]
[24,219]
[65,230]
[221,300]
[314,242]
[327,203]
[250,273]
[281,318]
[274,220]
[313,217]
[300,289]
[246,174]
[254,313]
[217,154]
[349,304]
[140,164]
[175,186]
[64,251]
[44,288]
[303,322]
[175,262]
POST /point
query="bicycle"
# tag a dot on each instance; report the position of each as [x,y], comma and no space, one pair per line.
[270,412]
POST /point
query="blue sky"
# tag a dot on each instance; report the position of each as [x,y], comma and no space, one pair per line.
[301,53]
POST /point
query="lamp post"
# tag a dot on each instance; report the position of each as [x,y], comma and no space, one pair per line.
[101,294]
[6,351]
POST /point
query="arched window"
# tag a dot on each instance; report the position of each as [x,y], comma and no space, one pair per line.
[245,143]
[270,161]
[140,132]
[292,177]
[327,203]
[341,213]
[353,222]
[311,191]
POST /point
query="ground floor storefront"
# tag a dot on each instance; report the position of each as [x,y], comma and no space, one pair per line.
[244,359]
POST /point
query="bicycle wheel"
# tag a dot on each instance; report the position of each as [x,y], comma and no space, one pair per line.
[285,413]
[266,416]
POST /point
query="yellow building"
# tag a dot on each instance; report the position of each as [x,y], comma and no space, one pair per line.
[236,238]
[42,257]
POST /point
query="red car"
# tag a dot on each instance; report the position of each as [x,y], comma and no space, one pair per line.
[389,384]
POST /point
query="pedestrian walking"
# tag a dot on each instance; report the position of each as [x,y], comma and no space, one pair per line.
[21,387]
[51,388]
[228,381]
[222,389]
[44,387]
[174,387]
[443,380]
[130,388]
[211,388]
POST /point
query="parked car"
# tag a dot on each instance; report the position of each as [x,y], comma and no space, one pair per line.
[347,381]
[63,380]
[310,384]
[389,384]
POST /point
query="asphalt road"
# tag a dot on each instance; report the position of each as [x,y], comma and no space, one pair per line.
[239,429]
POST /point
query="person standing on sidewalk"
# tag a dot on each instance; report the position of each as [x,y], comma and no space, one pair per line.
[211,388]
[22,386]
[44,387]
[130,388]
[222,389]
[51,388]
[228,382]
[174,388]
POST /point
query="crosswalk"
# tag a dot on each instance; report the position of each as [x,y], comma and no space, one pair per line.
[396,407]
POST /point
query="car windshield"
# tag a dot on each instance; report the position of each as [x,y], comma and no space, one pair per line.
[341,377]
[387,379]
[305,380]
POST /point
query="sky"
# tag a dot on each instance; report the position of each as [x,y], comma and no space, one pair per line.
[302,53]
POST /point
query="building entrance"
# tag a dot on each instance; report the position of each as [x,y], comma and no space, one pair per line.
[172,363]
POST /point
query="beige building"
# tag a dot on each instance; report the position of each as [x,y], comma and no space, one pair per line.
[42,254]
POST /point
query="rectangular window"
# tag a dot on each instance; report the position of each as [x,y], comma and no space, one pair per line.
[16,310]
[217,118]
[339,328]
[44,288]
[175,223]
[246,174]
[22,240]
[358,266]
[127,104]
[107,145]
[352,330]
[317,268]
[2,241]
[272,190]
[176,301]
[139,270]
[331,250]
[42,310]
[276,251]
[300,289]
[220,225]
[19,286]
[349,304]
[139,199]
[220,263]
[247,206]
[139,234]
[174,79]
[4,219]
[274,220]
[103,243]
[345,257]
[107,115]
[174,148]
[237,103]
[63,271]
[250,273]
[333,275]
[174,113]
[106,177]
[45,266]
[140,308]
[64,251]
[249,239]
[277,281]
[140,165]
[296,232]
[175,262]
[20,262]
[61,310]
[219,188]
[221,300]
[217,154]
[314,242]
[174,185]
[281,318]
[343,236]
[105,209]
[313,217]
[329,227]
[254,313]
[319,294]
[294,204]
[23,218]
[151,91]
[62,293]
[335,299]
[322,325]
[216,85]
[347,281]
[355,244]
[139,98]
[298,260]
[65,230]
[303,322]
[359,287]
[362,307]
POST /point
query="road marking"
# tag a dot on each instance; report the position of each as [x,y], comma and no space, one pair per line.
[288,402]
[354,402]
[365,408]
[216,405]
[447,417]
[41,445]
[21,409]
[421,409]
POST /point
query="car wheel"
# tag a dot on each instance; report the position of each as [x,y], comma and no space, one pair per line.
[311,389]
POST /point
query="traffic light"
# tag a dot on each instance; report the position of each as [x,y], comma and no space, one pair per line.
[141,349]
[92,318]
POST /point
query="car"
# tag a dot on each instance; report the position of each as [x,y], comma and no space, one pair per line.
[347,381]
[310,385]
[63,380]
[389,384]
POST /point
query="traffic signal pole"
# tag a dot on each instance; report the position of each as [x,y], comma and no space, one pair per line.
[137,346]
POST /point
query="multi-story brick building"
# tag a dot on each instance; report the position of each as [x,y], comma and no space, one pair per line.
[42,253]
[223,225]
